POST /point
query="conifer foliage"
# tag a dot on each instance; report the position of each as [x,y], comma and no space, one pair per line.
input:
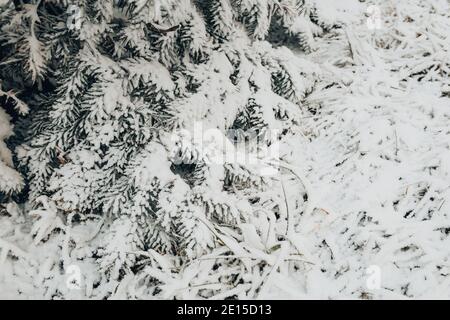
[114,86]
[10,179]
[11,182]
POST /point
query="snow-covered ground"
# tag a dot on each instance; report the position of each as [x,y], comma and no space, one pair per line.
[377,155]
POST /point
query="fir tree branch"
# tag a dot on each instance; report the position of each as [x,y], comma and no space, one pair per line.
[161,29]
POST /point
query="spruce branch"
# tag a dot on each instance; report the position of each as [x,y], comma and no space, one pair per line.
[162,30]
[21,106]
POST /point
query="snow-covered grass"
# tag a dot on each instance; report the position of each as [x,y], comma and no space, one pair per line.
[377,154]
[375,160]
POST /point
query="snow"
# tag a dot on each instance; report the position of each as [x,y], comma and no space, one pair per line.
[357,205]
[376,142]
[10,180]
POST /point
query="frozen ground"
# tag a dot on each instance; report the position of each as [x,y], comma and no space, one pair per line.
[377,155]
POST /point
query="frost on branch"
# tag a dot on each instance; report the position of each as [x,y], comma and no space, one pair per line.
[105,138]
[227,149]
